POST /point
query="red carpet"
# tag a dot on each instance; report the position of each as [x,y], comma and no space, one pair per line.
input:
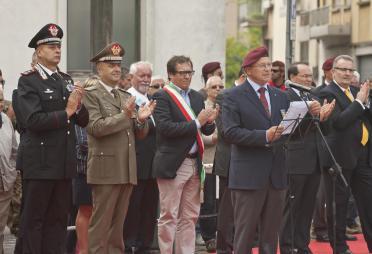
[357,247]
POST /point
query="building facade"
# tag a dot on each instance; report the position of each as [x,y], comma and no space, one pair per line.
[324,28]
[149,30]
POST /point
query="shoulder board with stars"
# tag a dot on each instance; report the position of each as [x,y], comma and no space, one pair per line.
[28,72]
[90,88]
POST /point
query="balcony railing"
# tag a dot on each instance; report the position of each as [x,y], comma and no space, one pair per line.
[319,16]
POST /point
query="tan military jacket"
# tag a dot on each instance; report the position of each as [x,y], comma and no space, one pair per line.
[111,139]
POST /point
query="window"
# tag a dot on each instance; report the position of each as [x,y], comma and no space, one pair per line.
[122,16]
[304,51]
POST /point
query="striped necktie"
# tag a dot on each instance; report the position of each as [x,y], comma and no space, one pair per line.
[263,100]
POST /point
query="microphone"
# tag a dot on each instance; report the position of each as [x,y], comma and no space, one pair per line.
[299,87]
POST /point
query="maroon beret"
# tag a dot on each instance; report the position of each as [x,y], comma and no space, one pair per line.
[210,67]
[328,64]
[254,55]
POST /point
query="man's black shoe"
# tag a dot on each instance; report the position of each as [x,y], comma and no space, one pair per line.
[345,252]
[295,251]
[349,237]
[322,238]
[304,251]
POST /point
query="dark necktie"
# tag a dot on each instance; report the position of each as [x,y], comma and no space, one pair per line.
[55,76]
[263,100]
[116,95]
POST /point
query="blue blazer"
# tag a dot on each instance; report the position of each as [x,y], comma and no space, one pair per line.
[253,162]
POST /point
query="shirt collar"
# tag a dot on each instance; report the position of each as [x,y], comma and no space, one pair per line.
[108,88]
[140,98]
[343,89]
[255,85]
[48,71]
[181,91]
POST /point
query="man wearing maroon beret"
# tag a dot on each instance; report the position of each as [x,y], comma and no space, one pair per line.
[319,220]
[328,76]
[210,69]
[251,114]
[278,75]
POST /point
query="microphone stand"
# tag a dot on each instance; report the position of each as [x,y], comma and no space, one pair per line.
[334,172]
[291,197]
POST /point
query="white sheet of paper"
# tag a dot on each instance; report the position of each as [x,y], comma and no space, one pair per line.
[296,110]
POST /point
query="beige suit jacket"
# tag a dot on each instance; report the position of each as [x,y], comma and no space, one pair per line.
[111,139]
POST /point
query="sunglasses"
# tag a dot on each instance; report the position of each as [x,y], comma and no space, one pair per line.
[2,82]
[275,70]
[215,87]
[156,86]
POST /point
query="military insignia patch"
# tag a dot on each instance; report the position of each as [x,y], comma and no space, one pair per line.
[53,30]
[115,49]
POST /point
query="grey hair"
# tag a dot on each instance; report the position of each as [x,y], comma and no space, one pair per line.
[357,75]
[212,80]
[134,66]
[156,77]
[343,57]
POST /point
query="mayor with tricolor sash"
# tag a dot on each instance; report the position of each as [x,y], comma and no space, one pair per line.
[180,119]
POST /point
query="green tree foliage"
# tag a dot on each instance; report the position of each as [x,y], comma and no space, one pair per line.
[235,52]
[236,49]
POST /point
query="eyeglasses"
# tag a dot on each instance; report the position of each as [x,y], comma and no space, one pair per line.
[215,87]
[344,69]
[306,76]
[156,86]
[185,73]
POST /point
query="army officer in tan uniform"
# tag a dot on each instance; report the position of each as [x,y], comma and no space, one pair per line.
[113,125]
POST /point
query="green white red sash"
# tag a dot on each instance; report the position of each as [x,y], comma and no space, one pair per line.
[189,114]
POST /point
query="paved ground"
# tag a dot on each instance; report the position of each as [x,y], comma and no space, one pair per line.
[9,243]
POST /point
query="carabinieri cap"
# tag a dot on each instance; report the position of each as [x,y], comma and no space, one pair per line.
[49,34]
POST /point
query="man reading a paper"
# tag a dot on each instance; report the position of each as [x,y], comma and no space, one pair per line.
[303,166]
[251,114]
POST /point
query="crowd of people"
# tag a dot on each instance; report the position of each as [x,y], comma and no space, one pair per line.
[110,154]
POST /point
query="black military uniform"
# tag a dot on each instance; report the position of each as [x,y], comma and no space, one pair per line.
[48,157]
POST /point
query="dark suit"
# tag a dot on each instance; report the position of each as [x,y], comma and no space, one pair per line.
[319,217]
[141,217]
[175,136]
[221,165]
[344,133]
[257,176]
[47,160]
[302,163]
